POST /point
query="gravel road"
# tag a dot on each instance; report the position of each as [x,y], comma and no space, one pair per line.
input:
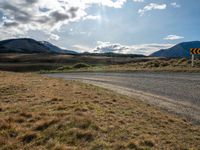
[174,92]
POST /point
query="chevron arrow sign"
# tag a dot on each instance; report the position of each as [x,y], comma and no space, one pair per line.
[195,51]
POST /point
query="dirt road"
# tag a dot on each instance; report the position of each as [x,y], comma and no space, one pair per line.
[175,92]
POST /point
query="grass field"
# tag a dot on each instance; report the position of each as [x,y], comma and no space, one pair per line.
[67,63]
[38,112]
[169,65]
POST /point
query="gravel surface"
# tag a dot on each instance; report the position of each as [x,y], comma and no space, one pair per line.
[174,88]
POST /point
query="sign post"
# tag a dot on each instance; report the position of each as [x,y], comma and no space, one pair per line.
[192,60]
[194,51]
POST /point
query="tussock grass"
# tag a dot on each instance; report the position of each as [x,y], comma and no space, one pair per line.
[44,113]
[172,65]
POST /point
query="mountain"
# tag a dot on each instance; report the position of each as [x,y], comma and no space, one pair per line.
[26,45]
[181,50]
[57,49]
[22,46]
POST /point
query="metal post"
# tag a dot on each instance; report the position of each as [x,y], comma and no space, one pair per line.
[192,60]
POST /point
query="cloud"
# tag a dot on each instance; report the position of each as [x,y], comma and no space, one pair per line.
[82,48]
[173,37]
[105,47]
[152,6]
[46,15]
[175,5]
[10,24]
[58,16]
[54,37]
[138,0]
[146,49]
[31,1]
[108,3]
[92,17]
[22,16]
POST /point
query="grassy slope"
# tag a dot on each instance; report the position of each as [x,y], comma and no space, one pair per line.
[173,65]
[42,113]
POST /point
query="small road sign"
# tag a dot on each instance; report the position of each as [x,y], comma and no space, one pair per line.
[194,51]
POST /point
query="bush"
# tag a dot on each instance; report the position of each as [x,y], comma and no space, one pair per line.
[64,68]
[180,61]
[164,64]
[81,65]
[197,63]
[156,64]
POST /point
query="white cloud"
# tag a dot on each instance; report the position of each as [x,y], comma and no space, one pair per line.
[138,0]
[54,37]
[82,48]
[152,6]
[21,16]
[173,37]
[91,17]
[108,3]
[146,49]
[175,5]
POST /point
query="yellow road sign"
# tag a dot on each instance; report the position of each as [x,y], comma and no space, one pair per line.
[194,51]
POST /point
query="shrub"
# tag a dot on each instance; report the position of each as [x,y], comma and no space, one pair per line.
[64,68]
[152,64]
[180,61]
[164,64]
[156,64]
[197,63]
[81,65]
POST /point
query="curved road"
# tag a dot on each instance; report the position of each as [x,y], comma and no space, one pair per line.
[176,92]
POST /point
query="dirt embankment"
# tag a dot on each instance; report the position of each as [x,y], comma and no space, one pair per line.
[37,112]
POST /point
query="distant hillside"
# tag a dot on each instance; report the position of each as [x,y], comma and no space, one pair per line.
[56,48]
[110,54]
[178,51]
[22,46]
[26,45]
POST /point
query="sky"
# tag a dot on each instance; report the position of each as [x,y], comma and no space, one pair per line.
[120,26]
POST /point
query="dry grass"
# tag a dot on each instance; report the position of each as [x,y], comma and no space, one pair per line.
[183,65]
[42,113]
[171,65]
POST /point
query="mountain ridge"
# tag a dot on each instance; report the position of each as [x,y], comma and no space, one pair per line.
[57,49]
[28,45]
[181,50]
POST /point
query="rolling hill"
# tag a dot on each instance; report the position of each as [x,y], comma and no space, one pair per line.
[26,45]
[57,49]
[181,50]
